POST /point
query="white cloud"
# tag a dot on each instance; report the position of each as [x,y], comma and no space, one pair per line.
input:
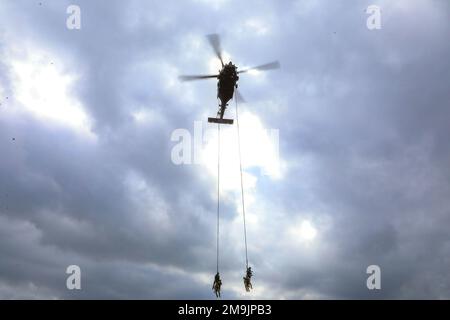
[258,26]
[42,85]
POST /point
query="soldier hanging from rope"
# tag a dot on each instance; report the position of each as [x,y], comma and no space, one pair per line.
[247,279]
[217,284]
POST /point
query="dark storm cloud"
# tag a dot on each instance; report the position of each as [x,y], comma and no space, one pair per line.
[363,119]
[373,128]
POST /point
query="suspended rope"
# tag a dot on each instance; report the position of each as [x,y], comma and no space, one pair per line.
[249,273]
[242,183]
[217,282]
[218,193]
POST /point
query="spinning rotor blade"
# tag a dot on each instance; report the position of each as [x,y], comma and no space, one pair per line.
[267,66]
[214,40]
[190,78]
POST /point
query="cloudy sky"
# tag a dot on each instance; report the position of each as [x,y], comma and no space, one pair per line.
[359,175]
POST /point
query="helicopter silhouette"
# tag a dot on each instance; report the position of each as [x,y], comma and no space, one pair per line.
[227,79]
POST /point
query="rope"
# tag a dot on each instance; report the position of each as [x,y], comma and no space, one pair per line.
[242,184]
[218,192]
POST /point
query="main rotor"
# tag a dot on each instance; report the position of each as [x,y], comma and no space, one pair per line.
[215,43]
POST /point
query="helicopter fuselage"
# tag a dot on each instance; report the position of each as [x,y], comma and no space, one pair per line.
[228,78]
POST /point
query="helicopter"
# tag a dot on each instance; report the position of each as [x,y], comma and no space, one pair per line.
[227,77]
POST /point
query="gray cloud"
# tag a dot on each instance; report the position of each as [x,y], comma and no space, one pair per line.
[363,120]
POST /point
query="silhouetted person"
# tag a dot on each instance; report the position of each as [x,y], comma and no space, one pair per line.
[247,279]
[217,284]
